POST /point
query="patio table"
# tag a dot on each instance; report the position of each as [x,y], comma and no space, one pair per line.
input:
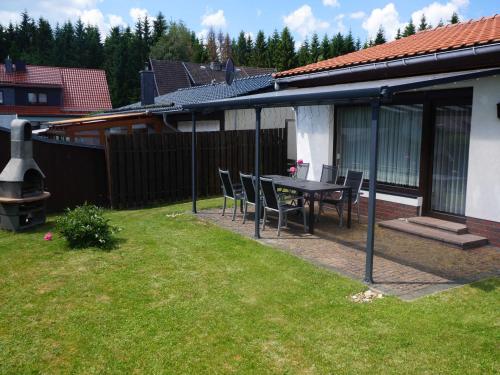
[311,188]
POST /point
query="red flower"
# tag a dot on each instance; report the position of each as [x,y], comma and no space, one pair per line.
[48,236]
[300,161]
[293,170]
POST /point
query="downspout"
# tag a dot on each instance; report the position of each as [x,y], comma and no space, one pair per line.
[167,125]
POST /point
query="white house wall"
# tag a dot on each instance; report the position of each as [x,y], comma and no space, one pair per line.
[483,182]
[315,137]
[244,119]
[315,145]
[201,126]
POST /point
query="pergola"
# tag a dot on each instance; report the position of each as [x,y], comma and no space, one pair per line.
[375,93]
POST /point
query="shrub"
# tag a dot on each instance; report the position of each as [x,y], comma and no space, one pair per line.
[85,226]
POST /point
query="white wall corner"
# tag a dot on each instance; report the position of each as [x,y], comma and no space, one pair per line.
[315,137]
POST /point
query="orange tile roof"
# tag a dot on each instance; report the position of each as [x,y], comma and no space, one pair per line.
[39,110]
[83,90]
[476,32]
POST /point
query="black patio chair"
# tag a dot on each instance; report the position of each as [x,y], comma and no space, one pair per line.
[353,179]
[328,175]
[229,191]
[302,171]
[272,202]
[249,193]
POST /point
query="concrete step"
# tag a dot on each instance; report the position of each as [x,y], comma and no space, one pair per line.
[439,224]
[463,241]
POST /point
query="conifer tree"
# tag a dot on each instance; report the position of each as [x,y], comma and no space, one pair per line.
[454,18]
[273,50]
[423,24]
[43,44]
[212,45]
[259,53]
[287,57]
[325,48]
[315,51]
[159,28]
[409,29]
[304,53]
[337,45]
[380,37]
[348,45]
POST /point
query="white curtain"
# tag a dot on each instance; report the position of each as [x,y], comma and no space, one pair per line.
[400,136]
[450,162]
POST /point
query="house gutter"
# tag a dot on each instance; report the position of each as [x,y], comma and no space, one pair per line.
[403,62]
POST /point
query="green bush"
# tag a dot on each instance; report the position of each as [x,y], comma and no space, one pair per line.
[85,226]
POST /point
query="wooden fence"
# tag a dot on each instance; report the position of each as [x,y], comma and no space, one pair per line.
[75,173]
[144,169]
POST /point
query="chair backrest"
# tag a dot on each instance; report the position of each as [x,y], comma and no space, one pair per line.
[329,174]
[354,179]
[227,185]
[269,192]
[247,181]
[302,171]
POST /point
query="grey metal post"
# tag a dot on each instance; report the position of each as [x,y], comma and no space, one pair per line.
[193,162]
[372,192]
[257,172]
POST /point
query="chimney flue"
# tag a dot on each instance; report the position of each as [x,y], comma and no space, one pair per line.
[147,87]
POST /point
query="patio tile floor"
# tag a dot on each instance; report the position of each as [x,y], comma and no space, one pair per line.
[405,266]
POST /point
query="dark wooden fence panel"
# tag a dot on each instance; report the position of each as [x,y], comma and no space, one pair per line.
[150,168]
[74,173]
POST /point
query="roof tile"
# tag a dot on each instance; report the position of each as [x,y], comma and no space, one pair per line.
[84,90]
[472,33]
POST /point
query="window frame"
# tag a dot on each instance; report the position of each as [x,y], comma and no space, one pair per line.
[30,95]
[46,98]
[428,99]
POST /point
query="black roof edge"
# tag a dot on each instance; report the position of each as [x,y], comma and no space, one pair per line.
[384,92]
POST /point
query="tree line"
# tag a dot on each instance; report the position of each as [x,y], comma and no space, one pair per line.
[125,50]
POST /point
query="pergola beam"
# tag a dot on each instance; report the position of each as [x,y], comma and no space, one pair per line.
[257,171]
[194,182]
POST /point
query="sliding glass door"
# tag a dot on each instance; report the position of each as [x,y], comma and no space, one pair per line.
[450,158]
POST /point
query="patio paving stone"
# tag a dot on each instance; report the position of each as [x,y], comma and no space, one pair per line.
[405,266]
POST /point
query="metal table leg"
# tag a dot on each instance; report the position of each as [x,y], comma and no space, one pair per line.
[311,214]
[349,209]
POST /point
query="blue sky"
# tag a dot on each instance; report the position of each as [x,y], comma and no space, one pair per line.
[303,17]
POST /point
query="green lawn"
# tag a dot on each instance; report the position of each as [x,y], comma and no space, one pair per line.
[183,296]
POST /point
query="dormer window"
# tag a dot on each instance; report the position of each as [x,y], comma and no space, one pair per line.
[37,98]
[42,98]
[32,98]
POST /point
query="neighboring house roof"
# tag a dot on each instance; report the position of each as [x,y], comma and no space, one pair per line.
[174,75]
[173,102]
[169,76]
[445,38]
[83,90]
